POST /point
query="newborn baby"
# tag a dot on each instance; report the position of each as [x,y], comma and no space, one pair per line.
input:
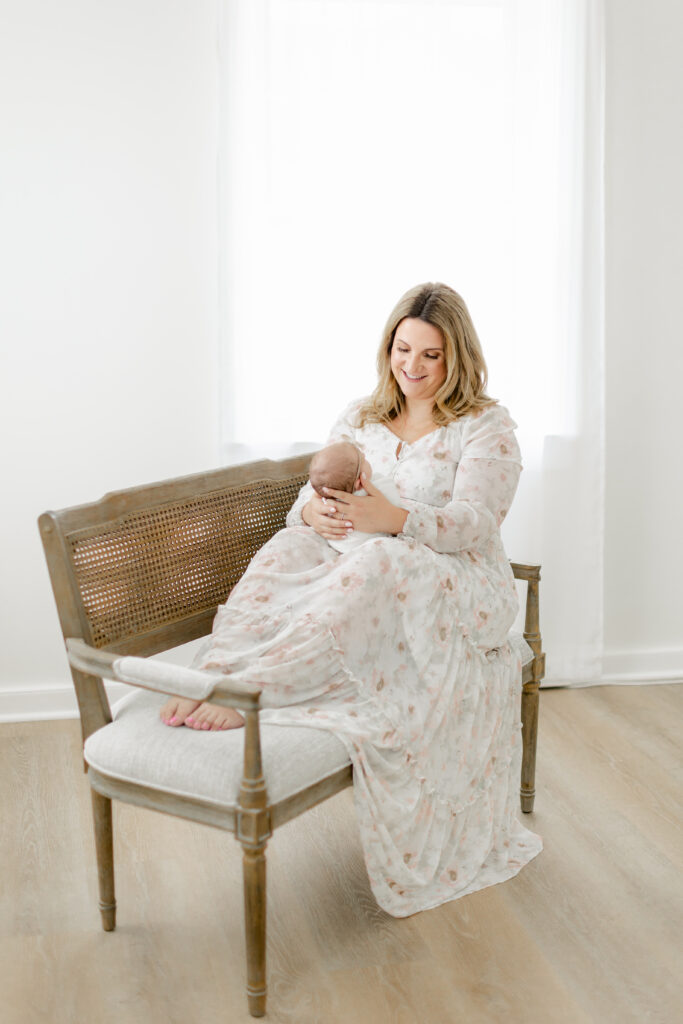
[339,466]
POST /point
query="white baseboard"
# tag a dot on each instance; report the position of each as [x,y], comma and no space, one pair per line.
[52,699]
[57,699]
[655,665]
[634,668]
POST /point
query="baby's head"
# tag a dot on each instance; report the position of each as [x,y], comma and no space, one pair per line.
[338,466]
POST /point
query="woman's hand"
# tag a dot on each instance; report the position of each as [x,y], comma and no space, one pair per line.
[325,517]
[371,512]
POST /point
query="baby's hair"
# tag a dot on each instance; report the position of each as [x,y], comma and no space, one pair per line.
[336,466]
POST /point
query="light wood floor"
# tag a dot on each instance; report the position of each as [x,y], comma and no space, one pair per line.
[590,931]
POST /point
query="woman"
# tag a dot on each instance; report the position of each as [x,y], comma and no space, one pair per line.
[400,646]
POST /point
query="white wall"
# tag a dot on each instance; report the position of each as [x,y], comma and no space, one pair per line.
[108,278]
[644,238]
[108,299]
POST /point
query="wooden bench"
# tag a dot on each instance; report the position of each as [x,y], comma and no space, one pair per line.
[142,571]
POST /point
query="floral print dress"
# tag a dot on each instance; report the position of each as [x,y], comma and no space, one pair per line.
[399,647]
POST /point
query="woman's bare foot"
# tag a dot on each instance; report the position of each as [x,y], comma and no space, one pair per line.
[213,717]
[197,715]
[176,710]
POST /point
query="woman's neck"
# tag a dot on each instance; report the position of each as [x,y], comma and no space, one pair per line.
[416,420]
[418,412]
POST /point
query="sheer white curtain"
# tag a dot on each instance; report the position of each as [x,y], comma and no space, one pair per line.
[370,145]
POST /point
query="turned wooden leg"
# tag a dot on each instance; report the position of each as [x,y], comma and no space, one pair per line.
[254,872]
[529,733]
[253,830]
[104,844]
[532,635]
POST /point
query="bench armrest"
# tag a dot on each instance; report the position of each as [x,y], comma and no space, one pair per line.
[162,677]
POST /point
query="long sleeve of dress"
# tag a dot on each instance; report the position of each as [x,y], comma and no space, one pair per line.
[485,484]
[341,431]
[294,514]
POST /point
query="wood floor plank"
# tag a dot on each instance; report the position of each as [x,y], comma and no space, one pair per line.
[588,933]
[472,941]
[648,717]
[604,887]
[629,779]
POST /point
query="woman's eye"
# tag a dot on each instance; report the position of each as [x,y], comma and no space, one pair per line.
[431,357]
[402,349]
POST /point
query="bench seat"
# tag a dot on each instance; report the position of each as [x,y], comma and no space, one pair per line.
[207,766]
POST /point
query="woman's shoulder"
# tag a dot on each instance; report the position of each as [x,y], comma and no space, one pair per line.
[352,410]
[489,432]
[494,416]
[348,421]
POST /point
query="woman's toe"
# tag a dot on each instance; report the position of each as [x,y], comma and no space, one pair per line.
[217,718]
[175,711]
[228,718]
[167,713]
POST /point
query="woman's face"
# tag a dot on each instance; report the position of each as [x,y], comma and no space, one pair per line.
[418,360]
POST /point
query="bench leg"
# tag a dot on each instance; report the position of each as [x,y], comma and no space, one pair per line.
[104,845]
[529,733]
[254,875]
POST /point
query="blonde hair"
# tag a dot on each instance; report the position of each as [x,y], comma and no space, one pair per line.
[464,388]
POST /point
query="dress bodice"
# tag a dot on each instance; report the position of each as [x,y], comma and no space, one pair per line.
[423,470]
[456,482]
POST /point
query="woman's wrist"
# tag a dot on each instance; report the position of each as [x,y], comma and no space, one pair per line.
[399,519]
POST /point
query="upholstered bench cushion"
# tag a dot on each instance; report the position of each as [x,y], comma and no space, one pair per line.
[521,647]
[137,747]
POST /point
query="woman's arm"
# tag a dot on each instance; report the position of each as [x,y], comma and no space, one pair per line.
[485,484]
[308,509]
[371,512]
[294,516]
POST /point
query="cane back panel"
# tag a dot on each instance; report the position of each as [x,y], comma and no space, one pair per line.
[154,566]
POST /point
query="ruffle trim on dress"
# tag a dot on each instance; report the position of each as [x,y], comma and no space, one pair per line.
[482,846]
[483,653]
[297,662]
[428,789]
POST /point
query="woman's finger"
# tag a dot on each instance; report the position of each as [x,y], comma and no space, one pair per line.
[342,515]
[343,497]
[336,522]
[329,525]
[368,486]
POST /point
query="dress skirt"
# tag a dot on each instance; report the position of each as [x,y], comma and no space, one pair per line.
[402,652]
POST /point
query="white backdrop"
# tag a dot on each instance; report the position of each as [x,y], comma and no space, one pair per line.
[107,285]
[367,147]
[143,75]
